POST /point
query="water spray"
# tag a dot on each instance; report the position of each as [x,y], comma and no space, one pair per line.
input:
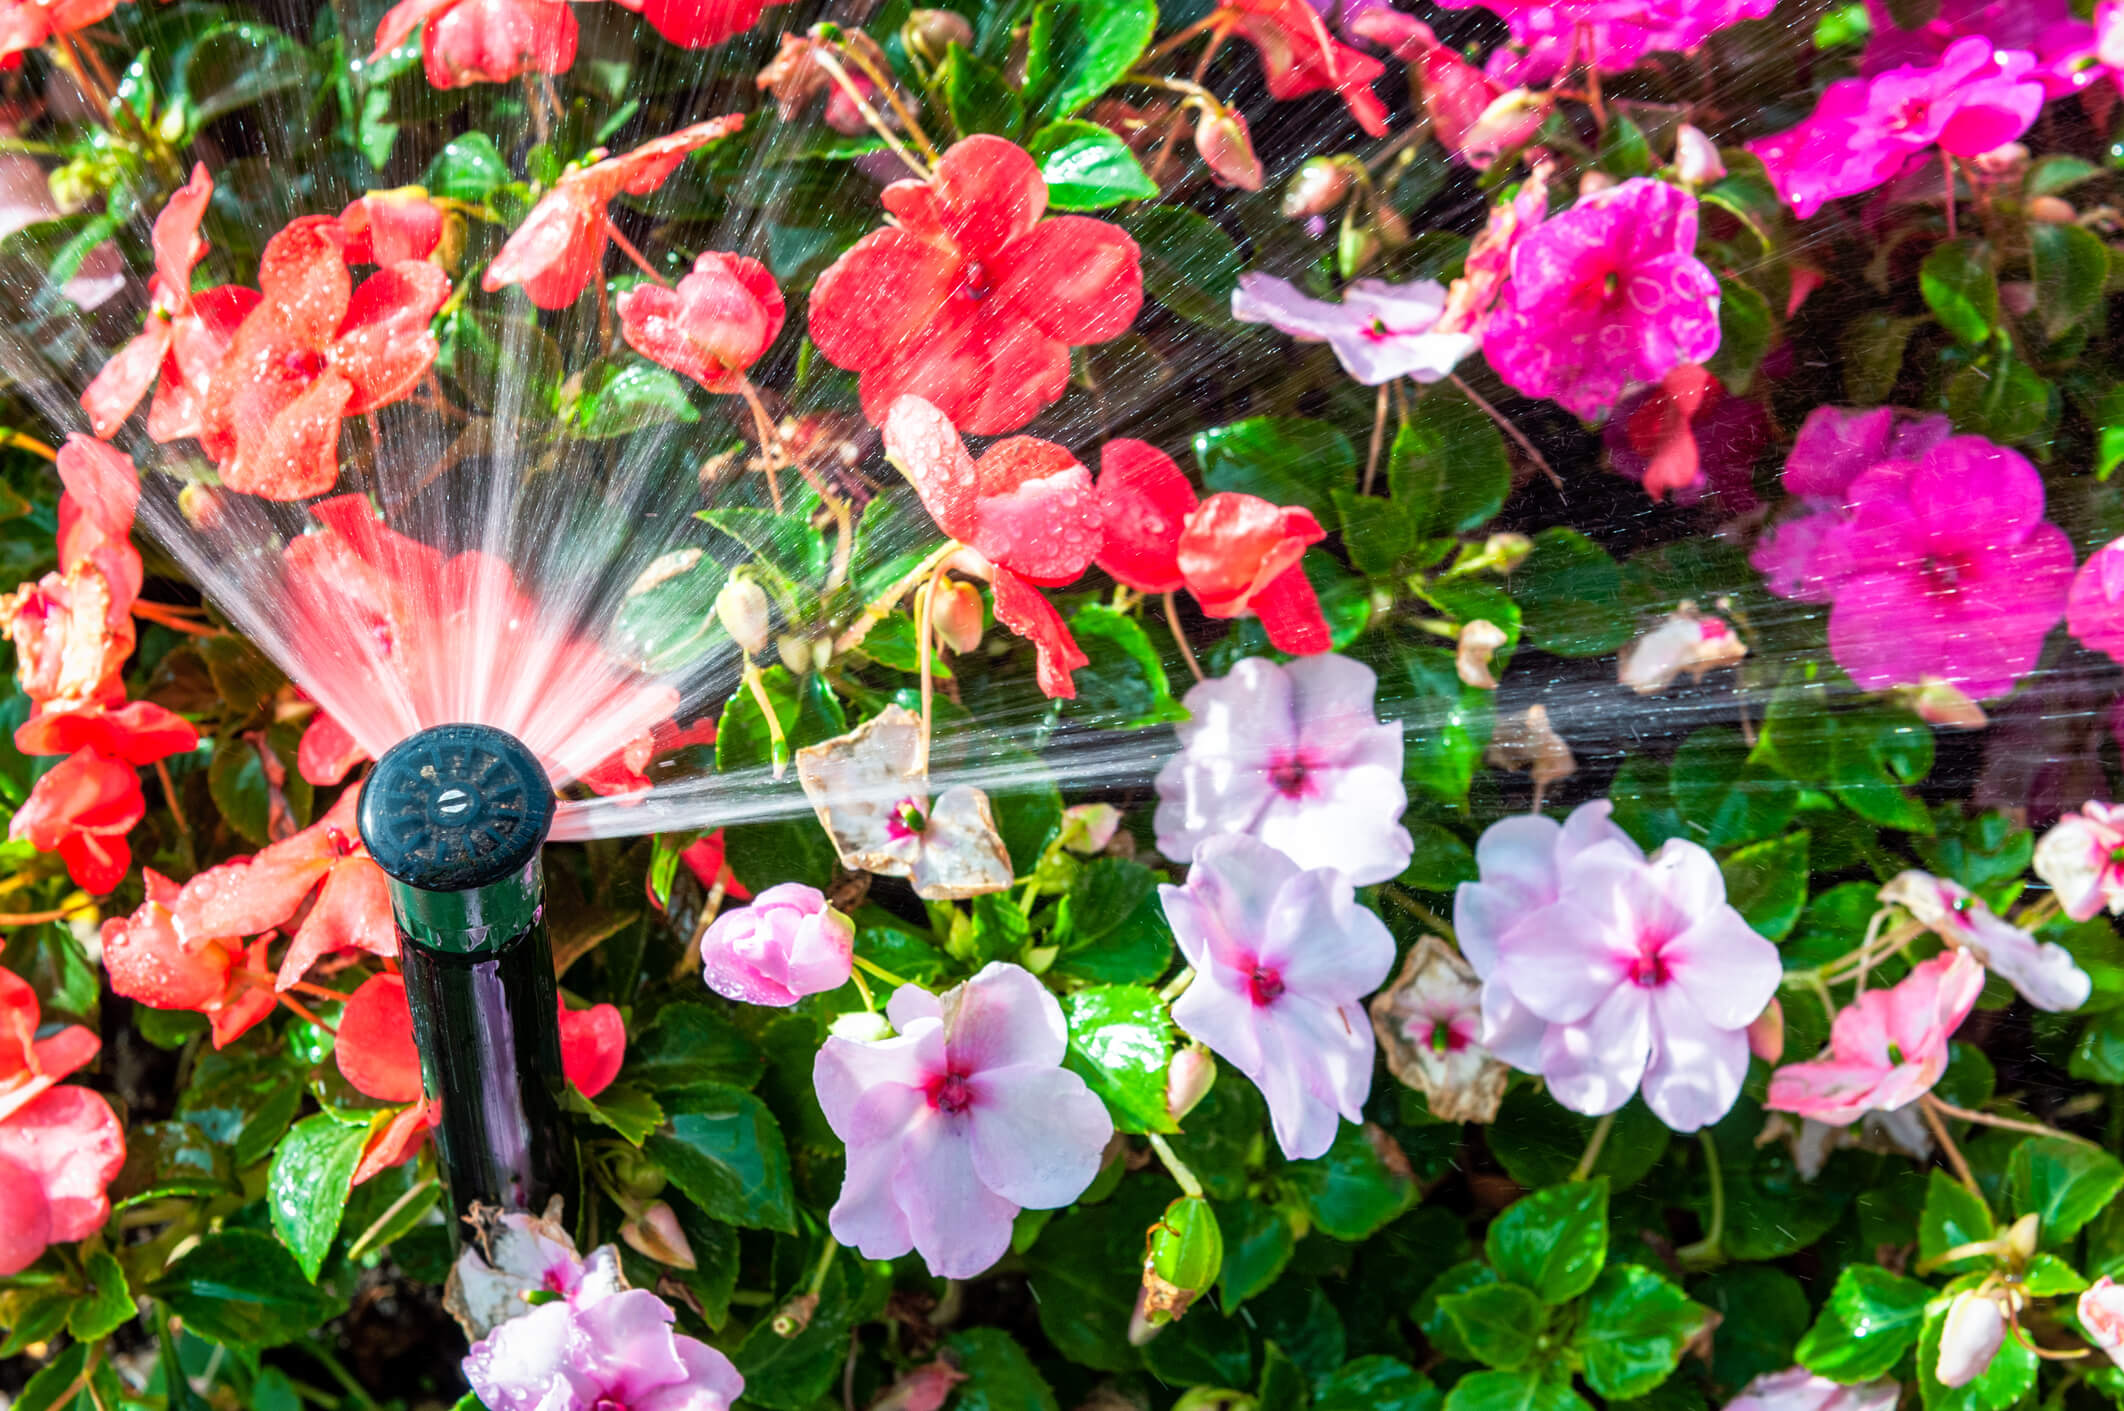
[456,816]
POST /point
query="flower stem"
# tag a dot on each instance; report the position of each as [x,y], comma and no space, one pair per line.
[925,607]
[1400,897]
[1182,1177]
[1504,424]
[1930,1105]
[884,82]
[777,742]
[1706,1252]
[2010,1124]
[885,602]
[832,64]
[1371,458]
[880,971]
[1594,1143]
[361,1246]
[1187,653]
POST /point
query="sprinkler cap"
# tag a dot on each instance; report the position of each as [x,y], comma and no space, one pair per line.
[455,807]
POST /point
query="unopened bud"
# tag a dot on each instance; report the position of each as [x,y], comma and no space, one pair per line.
[1592,181]
[1479,640]
[1969,1338]
[1317,188]
[795,653]
[2052,210]
[73,185]
[1205,1398]
[1766,1036]
[1221,136]
[1507,551]
[201,505]
[933,32]
[955,615]
[2021,1238]
[1357,246]
[1183,1254]
[1088,827]
[637,1175]
[1508,124]
[655,1233]
[863,1027]
[1696,159]
[1943,703]
[742,609]
[1188,1079]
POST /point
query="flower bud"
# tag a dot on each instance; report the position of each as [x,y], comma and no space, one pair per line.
[926,1388]
[2052,210]
[2102,1317]
[2021,1238]
[1508,124]
[1316,188]
[1221,136]
[934,31]
[1183,1254]
[1594,181]
[1696,159]
[742,609]
[1766,1036]
[1943,703]
[1505,552]
[863,1026]
[787,944]
[1088,827]
[1479,640]
[1188,1079]
[955,615]
[1970,1337]
[638,1176]
[1206,1398]
[655,1233]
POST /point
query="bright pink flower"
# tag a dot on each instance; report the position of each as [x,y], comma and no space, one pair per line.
[957,1122]
[315,350]
[2082,858]
[1549,40]
[1606,295]
[971,301]
[82,808]
[31,24]
[1863,131]
[1379,331]
[463,42]
[1293,756]
[2069,52]
[1887,1048]
[1948,570]
[2101,1313]
[1283,959]
[386,227]
[560,247]
[1026,507]
[1835,446]
[607,1349]
[58,1154]
[789,943]
[1298,57]
[719,321]
[1645,975]
[185,336]
[2044,972]
[2094,610]
[697,24]
[1797,1389]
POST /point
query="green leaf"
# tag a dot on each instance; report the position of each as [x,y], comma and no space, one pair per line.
[1088,168]
[57,1379]
[1440,861]
[1111,929]
[1496,1322]
[689,1043]
[1765,1312]
[1960,289]
[2063,1183]
[232,66]
[1539,1141]
[2009,1377]
[1553,1241]
[979,99]
[1189,264]
[2071,268]
[622,1108]
[1637,1325]
[169,1159]
[1953,1216]
[1084,1272]
[1258,1244]
[1282,1386]
[1285,460]
[1746,329]
[1448,470]
[468,168]
[1513,1391]
[2048,1276]
[107,1305]
[1624,153]
[1724,797]
[1077,49]
[243,1287]
[1124,687]
[1871,1319]
[619,399]
[724,1152]
[237,781]
[1353,1188]
[1872,346]
[1874,754]
[1377,1383]
[1569,593]
[793,1373]
[313,1170]
[999,1376]
[1120,1042]
[1767,883]
[1375,532]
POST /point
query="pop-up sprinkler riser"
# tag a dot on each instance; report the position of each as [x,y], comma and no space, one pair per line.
[456,816]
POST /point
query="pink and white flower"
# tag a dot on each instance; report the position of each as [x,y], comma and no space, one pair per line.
[1283,959]
[2082,858]
[1294,756]
[1887,1048]
[1379,331]
[957,1122]
[2043,971]
[1797,1389]
[789,943]
[2101,1313]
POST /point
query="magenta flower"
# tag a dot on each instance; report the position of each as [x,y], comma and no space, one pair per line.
[1551,39]
[1797,1389]
[1605,296]
[789,943]
[1946,569]
[2094,609]
[2044,972]
[1293,755]
[2068,50]
[1834,447]
[963,1118]
[1645,975]
[1864,130]
[1283,959]
[1887,1048]
[2082,858]
[1379,331]
[613,1353]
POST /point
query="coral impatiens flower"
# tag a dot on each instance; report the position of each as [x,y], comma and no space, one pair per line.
[1293,756]
[138,733]
[697,24]
[1948,570]
[1379,331]
[1236,553]
[718,322]
[962,1118]
[1887,1048]
[463,42]
[385,227]
[1606,295]
[560,246]
[2082,858]
[1283,959]
[59,1146]
[72,634]
[185,335]
[1298,56]
[1026,507]
[315,350]
[971,301]
[82,808]
[149,961]
[31,24]
[29,1066]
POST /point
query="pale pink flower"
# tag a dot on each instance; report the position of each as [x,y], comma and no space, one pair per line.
[2101,1313]
[1379,331]
[1283,959]
[1429,1024]
[1797,1389]
[611,1353]
[1292,755]
[2094,609]
[2043,971]
[1835,446]
[1645,975]
[787,944]
[1887,1048]
[963,1118]
[1972,1335]
[2082,858]
[516,1254]
[1607,295]
[1696,158]
[1686,643]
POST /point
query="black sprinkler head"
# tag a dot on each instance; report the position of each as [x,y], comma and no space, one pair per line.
[455,807]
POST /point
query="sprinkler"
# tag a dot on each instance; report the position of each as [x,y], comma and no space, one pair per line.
[455,816]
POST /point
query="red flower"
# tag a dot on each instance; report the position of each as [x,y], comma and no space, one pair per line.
[718,322]
[31,24]
[704,859]
[181,344]
[1455,92]
[593,1046]
[1026,508]
[316,349]
[326,752]
[464,42]
[377,1055]
[696,24]
[1235,553]
[71,636]
[58,1154]
[1299,57]
[387,227]
[396,1139]
[148,960]
[139,732]
[102,481]
[626,772]
[83,808]
[247,896]
[30,1065]
[972,301]
[352,913]
[561,244]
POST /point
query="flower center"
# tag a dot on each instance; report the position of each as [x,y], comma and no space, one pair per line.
[1444,1038]
[974,280]
[1648,968]
[1380,333]
[1609,283]
[951,1094]
[303,362]
[1291,777]
[1895,1054]
[2116,856]
[1264,986]
[905,821]
[609,1403]
[1912,114]
[1943,572]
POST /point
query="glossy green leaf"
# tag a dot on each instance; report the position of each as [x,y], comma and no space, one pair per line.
[1448,470]
[2071,268]
[724,1151]
[1637,1325]
[2009,1377]
[1120,1041]
[1872,1318]
[999,1376]
[1953,1216]
[1377,1383]
[1513,1391]
[978,98]
[1190,264]
[2063,1183]
[1284,460]
[1354,1188]
[1960,288]
[243,1287]
[1553,1241]
[312,1171]
[1496,1322]
[1077,49]
[1088,168]
[1766,883]
[107,1305]
[1569,593]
